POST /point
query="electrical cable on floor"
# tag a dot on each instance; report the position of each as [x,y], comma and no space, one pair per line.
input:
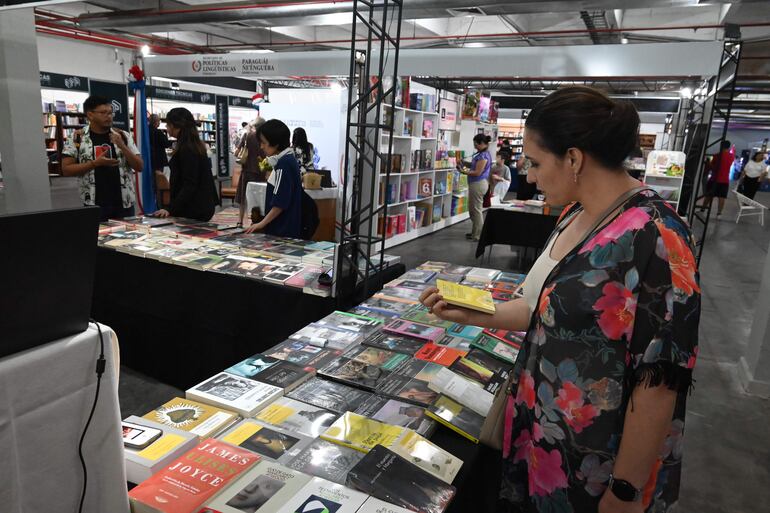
[100,366]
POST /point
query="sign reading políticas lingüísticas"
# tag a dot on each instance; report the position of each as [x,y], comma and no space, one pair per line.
[214,66]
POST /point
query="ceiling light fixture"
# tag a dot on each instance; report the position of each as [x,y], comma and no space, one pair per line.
[624,40]
[686,92]
[145,50]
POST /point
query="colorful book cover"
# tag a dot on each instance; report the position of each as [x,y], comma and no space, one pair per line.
[389,477]
[361,433]
[419,369]
[197,418]
[268,441]
[512,338]
[456,417]
[441,355]
[397,413]
[414,330]
[489,380]
[264,488]
[462,390]
[495,348]
[467,332]
[332,396]
[388,360]
[417,450]
[189,481]
[466,297]
[461,343]
[384,316]
[326,460]
[297,417]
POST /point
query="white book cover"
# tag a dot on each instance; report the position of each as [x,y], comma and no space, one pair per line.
[322,495]
[270,442]
[482,274]
[264,488]
[375,505]
[297,416]
[464,391]
[141,464]
[323,336]
[235,393]
[423,453]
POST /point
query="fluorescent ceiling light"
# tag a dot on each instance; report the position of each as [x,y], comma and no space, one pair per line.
[252,51]
[475,45]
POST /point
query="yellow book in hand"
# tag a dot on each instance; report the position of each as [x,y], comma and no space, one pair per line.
[467,297]
[361,433]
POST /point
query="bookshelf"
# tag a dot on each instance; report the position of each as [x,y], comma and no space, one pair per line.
[665,174]
[58,127]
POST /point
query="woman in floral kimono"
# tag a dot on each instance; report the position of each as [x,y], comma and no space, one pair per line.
[595,419]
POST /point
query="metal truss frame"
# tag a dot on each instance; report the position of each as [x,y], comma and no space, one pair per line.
[372,85]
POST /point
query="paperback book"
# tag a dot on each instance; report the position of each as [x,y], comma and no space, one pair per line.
[422,315]
[465,392]
[388,360]
[466,332]
[460,343]
[414,330]
[419,275]
[397,306]
[486,360]
[383,316]
[355,373]
[419,369]
[389,477]
[417,450]
[397,413]
[361,433]
[412,295]
[326,460]
[202,420]
[490,381]
[407,389]
[466,297]
[350,322]
[332,396]
[496,348]
[304,354]
[325,336]
[395,343]
[322,496]
[268,441]
[235,393]
[141,463]
[481,275]
[375,505]
[457,417]
[441,355]
[513,338]
[297,417]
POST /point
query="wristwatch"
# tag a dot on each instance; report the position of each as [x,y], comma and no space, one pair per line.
[624,490]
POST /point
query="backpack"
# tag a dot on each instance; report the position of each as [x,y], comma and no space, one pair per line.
[309,217]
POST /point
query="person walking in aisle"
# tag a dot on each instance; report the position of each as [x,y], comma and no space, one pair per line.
[283,202]
[105,159]
[478,183]
[718,184]
[303,150]
[595,417]
[193,193]
[250,169]
[753,173]
[499,179]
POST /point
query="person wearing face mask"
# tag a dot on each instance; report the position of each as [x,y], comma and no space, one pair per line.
[283,202]
[193,193]
[478,183]
[611,309]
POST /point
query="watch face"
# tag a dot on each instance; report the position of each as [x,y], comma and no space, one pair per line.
[624,490]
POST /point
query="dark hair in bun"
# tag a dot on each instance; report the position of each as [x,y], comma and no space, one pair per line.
[587,119]
[481,139]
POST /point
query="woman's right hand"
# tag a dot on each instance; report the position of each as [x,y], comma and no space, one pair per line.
[431,298]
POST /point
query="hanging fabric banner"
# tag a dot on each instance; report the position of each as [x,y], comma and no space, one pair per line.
[142,139]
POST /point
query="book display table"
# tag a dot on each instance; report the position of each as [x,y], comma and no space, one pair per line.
[515,228]
[47,395]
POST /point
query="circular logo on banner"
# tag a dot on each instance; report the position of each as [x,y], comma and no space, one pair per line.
[196,66]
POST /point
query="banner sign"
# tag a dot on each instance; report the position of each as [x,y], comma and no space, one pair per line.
[59,81]
[223,139]
[238,101]
[180,95]
[118,96]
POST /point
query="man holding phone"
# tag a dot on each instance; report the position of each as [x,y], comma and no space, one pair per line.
[105,159]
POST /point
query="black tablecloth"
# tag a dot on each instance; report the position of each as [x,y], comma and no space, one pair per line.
[182,325]
[515,228]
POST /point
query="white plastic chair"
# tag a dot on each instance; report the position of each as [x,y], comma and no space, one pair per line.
[749,207]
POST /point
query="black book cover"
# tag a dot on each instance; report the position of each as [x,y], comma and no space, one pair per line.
[333,396]
[283,375]
[490,362]
[389,477]
[394,343]
[355,372]
[407,389]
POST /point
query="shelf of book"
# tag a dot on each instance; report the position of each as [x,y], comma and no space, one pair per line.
[424,230]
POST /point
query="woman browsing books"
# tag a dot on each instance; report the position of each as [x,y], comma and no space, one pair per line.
[612,309]
[193,193]
[478,183]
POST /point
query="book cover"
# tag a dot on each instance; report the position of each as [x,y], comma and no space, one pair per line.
[297,417]
[322,496]
[489,380]
[397,413]
[406,284]
[326,460]
[461,343]
[361,433]
[398,306]
[412,295]
[384,316]
[235,393]
[467,332]
[488,361]
[389,477]
[461,270]
[388,360]
[420,314]
[326,336]
[268,441]
[285,375]
[307,277]
[466,297]
[264,488]
[495,348]
[143,463]
[332,396]
[456,417]
[350,322]
[355,373]
[512,338]
[304,354]
[441,355]
[419,369]
[200,419]
[189,481]
[482,275]
[414,330]
[253,365]
[375,505]
[396,343]
[408,389]
[433,265]
[462,390]
[417,450]
[502,286]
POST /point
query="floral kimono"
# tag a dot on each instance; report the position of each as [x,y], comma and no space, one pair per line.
[619,311]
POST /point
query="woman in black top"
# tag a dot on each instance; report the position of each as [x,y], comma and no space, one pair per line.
[303,150]
[193,193]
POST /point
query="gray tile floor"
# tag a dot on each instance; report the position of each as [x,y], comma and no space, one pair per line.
[727,458]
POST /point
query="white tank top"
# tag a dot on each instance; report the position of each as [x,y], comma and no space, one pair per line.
[535,280]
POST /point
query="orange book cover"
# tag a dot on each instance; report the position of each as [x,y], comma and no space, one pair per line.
[441,355]
[191,480]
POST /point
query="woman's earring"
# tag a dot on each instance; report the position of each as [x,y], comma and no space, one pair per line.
[576,178]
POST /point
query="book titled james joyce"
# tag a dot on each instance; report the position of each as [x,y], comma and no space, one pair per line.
[235,393]
[192,479]
[397,413]
[387,476]
[395,343]
[298,417]
[322,496]
[202,420]
[441,355]
[264,488]
[326,460]
[332,396]
[268,441]
[414,330]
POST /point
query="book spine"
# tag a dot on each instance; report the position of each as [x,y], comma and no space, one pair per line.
[454,428]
